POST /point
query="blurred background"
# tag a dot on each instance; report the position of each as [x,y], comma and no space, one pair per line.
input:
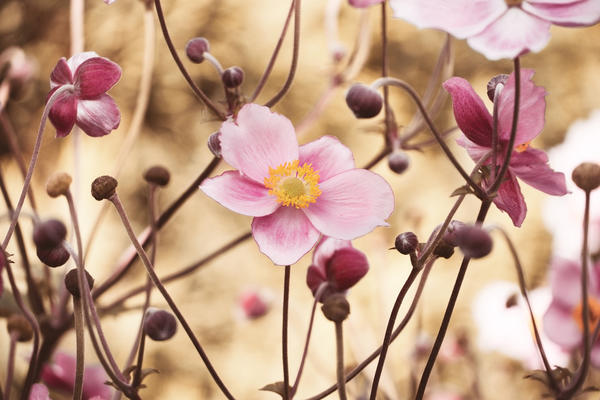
[174,132]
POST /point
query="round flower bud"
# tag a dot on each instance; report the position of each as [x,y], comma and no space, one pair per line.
[443,249]
[72,282]
[49,234]
[491,86]
[19,325]
[450,235]
[346,267]
[232,77]
[159,325]
[195,48]
[214,144]
[474,241]
[58,184]
[364,101]
[157,175]
[398,161]
[587,176]
[336,308]
[104,187]
[406,242]
[53,256]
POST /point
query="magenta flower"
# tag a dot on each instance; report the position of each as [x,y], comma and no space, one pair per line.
[86,104]
[499,28]
[60,375]
[337,264]
[530,165]
[295,193]
[563,323]
[363,3]
[39,392]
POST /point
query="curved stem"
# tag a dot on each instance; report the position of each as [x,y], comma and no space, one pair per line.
[79,338]
[284,333]
[339,345]
[10,367]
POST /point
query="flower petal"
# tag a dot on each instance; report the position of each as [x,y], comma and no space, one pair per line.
[532,167]
[95,76]
[60,375]
[98,117]
[258,140]
[560,327]
[469,111]
[566,283]
[61,74]
[510,200]
[511,35]
[284,236]
[475,151]
[93,383]
[351,204]
[78,59]
[240,194]
[327,156]
[461,18]
[63,113]
[565,13]
[363,3]
[39,392]
[325,249]
[532,108]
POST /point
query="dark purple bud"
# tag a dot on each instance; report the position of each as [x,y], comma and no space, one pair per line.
[72,282]
[491,86]
[450,235]
[49,233]
[53,256]
[346,267]
[406,242]
[398,161]
[214,144]
[232,77]
[195,49]
[104,187]
[157,175]
[18,325]
[474,241]
[364,101]
[159,325]
[336,308]
[587,176]
[314,278]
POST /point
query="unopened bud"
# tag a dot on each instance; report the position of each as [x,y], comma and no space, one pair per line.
[587,176]
[495,81]
[364,101]
[50,233]
[18,324]
[474,241]
[157,175]
[195,48]
[159,325]
[58,184]
[406,242]
[398,161]
[53,256]
[104,187]
[253,304]
[336,308]
[214,144]
[232,77]
[347,266]
[72,282]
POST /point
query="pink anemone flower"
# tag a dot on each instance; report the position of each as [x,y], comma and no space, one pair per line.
[86,103]
[526,163]
[563,322]
[499,28]
[294,193]
[364,3]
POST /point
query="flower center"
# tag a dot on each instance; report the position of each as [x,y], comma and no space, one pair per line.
[593,314]
[512,3]
[293,185]
[522,147]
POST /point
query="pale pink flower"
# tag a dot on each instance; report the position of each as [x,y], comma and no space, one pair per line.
[363,3]
[295,193]
[39,392]
[86,103]
[526,163]
[499,28]
[563,322]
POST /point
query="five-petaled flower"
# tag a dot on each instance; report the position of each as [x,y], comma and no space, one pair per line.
[499,28]
[295,193]
[529,164]
[87,77]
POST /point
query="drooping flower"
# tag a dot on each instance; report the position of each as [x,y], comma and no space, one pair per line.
[335,263]
[363,3]
[527,163]
[295,193]
[60,375]
[499,28]
[563,322]
[86,104]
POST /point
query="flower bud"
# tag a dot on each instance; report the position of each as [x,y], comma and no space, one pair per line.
[72,282]
[491,86]
[406,242]
[253,304]
[451,231]
[474,241]
[195,48]
[587,176]
[53,256]
[104,187]
[364,101]
[58,184]
[336,308]
[214,144]
[398,161]
[19,325]
[159,325]
[232,77]
[346,267]
[49,233]
[157,175]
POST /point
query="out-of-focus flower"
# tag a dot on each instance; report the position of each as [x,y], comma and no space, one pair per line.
[363,3]
[60,375]
[563,322]
[86,104]
[39,392]
[253,304]
[563,216]
[295,193]
[499,28]
[504,324]
[338,264]
[18,69]
[527,163]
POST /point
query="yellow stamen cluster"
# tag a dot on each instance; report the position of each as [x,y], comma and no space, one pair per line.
[522,147]
[593,314]
[293,185]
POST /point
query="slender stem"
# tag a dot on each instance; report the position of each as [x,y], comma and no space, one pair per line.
[295,51]
[137,376]
[391,130]
[10,367]
[339,345]
[79,338]
[495,117]
[284,333]
[214,62]
[77,14]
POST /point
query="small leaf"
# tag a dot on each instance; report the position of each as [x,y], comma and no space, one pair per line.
[149,371]
[461,190]
[276,387]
